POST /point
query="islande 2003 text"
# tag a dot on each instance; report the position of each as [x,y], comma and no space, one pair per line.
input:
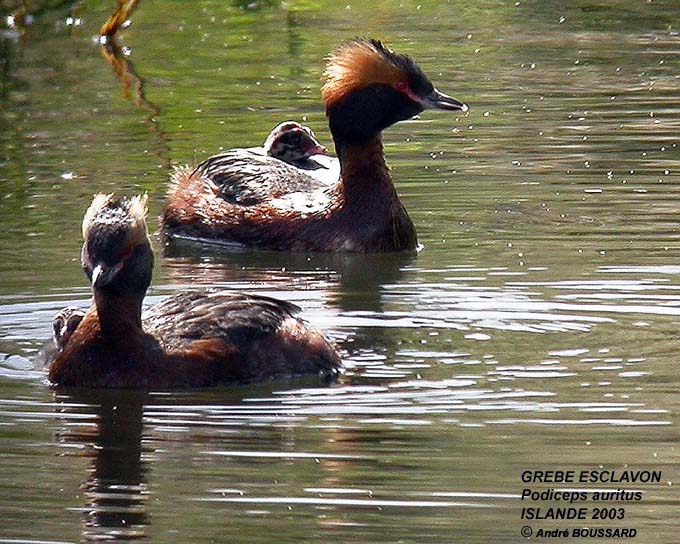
[583,513]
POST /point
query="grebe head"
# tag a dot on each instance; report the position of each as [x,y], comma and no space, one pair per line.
[117,256]
[368,87]
[292,142]
[65,323]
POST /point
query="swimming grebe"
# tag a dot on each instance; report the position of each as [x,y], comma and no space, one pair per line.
[192,339]
[264,203]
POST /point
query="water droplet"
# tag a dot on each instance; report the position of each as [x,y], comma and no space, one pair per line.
[478,336]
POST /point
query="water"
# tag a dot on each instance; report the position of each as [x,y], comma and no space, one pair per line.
[536,330]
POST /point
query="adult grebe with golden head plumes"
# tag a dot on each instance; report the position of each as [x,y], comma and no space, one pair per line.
[192,339]
[268,204]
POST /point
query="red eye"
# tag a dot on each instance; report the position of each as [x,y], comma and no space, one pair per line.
[127,253]
[401,85]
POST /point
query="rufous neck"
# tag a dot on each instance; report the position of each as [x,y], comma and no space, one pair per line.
[119,314]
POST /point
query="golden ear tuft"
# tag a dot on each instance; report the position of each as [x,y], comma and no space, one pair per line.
[358,63]
[99,201]
[137,211]
[137,207]
[106,209]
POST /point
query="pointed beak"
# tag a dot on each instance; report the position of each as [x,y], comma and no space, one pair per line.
[318,149]
[102,274]
[439,101]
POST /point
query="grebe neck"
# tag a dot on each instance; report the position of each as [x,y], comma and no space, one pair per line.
[119,314]
[363,171]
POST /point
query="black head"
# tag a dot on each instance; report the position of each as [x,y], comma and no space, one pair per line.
[116,255]
[369,87]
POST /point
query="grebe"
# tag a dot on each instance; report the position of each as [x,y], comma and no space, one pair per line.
[269,204]
[293,143]
[65,323]
[192,339]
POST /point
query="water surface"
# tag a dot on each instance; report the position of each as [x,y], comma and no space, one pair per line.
[535,330]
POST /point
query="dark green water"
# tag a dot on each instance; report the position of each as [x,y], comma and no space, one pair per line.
[537,328]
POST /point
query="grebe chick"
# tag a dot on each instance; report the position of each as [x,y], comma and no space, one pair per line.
[265,203]
[189,340]
[65,323]
[293,143]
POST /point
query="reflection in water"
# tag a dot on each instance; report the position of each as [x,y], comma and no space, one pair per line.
[295,448]
[347,285]
[124,70]
[537,328]
[351,281]
[116,490]
[7,58]
[117,21]
[116,55]
[133,85]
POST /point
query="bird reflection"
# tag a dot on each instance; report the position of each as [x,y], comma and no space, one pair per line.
[349,282]
[116,489]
